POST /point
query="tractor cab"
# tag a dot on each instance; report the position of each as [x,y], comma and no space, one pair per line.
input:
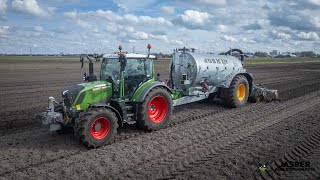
[129,72]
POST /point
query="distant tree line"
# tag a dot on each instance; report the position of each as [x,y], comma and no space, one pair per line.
[306,54]
[161,55]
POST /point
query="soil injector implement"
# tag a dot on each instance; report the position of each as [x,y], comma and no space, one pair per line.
[128,91]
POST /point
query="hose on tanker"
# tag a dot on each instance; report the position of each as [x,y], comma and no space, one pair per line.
[236,50]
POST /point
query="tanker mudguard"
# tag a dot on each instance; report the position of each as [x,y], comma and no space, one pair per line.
[151,86]
[228,79]
[97,105]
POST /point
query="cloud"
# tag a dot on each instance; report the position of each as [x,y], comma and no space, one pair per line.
[76,19]
[71,14]
[250,25]
[61,30]
[3,6]
[159,32]
[310,36]
[116,28]
[211,3]
[222,28]
[254,26]
[131,37]
[168,9]
[82,23]
[229,38]
[30,7]
[314,2]
[304,20]
[176,42]
[159,37]
[38,29]
[250,41]
[139,35]
[194,19]
[304,4]
[4,30]
[128,18]
[133,5]
[276,34]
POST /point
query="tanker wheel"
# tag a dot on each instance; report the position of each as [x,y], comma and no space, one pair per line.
[96,127]
[156,109]
[238,92]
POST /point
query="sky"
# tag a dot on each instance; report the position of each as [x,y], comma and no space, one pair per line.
[99,26]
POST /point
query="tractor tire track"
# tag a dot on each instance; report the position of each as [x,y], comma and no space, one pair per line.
[179,162]
[122,135]
[242,159]
[306,150]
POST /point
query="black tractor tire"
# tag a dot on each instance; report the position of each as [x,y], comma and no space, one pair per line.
[96,127]
[156,109]
[238,92]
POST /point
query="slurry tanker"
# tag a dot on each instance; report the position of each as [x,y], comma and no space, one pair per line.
[129,91]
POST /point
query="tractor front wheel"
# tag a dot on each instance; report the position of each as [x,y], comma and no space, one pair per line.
[96,127]
[155,110]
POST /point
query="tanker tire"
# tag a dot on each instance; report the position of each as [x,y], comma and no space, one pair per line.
[230,95]
[85,123]
[143,120]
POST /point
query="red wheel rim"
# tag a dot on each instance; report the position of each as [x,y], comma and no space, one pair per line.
[157,109]
[100,128]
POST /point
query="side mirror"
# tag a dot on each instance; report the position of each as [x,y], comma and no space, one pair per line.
[81,60]
[84,76]
[158,77]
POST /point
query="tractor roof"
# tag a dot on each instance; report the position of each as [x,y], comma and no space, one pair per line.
[129,56]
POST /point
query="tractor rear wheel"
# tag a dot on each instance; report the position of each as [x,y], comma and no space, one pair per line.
[96,127]
[238,92]
[155,110]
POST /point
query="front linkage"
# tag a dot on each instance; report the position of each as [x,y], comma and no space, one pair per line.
[51,117]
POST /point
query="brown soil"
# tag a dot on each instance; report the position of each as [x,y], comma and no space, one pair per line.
[202,141]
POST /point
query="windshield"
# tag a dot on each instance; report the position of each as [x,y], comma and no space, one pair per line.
[136,72]
[110,70]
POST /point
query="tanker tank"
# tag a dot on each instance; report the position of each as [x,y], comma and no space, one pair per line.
[192,73]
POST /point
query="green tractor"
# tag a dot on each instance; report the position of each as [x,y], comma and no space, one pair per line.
[129,91]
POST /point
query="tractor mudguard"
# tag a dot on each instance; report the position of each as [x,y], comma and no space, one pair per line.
[97,105]
[142,95]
